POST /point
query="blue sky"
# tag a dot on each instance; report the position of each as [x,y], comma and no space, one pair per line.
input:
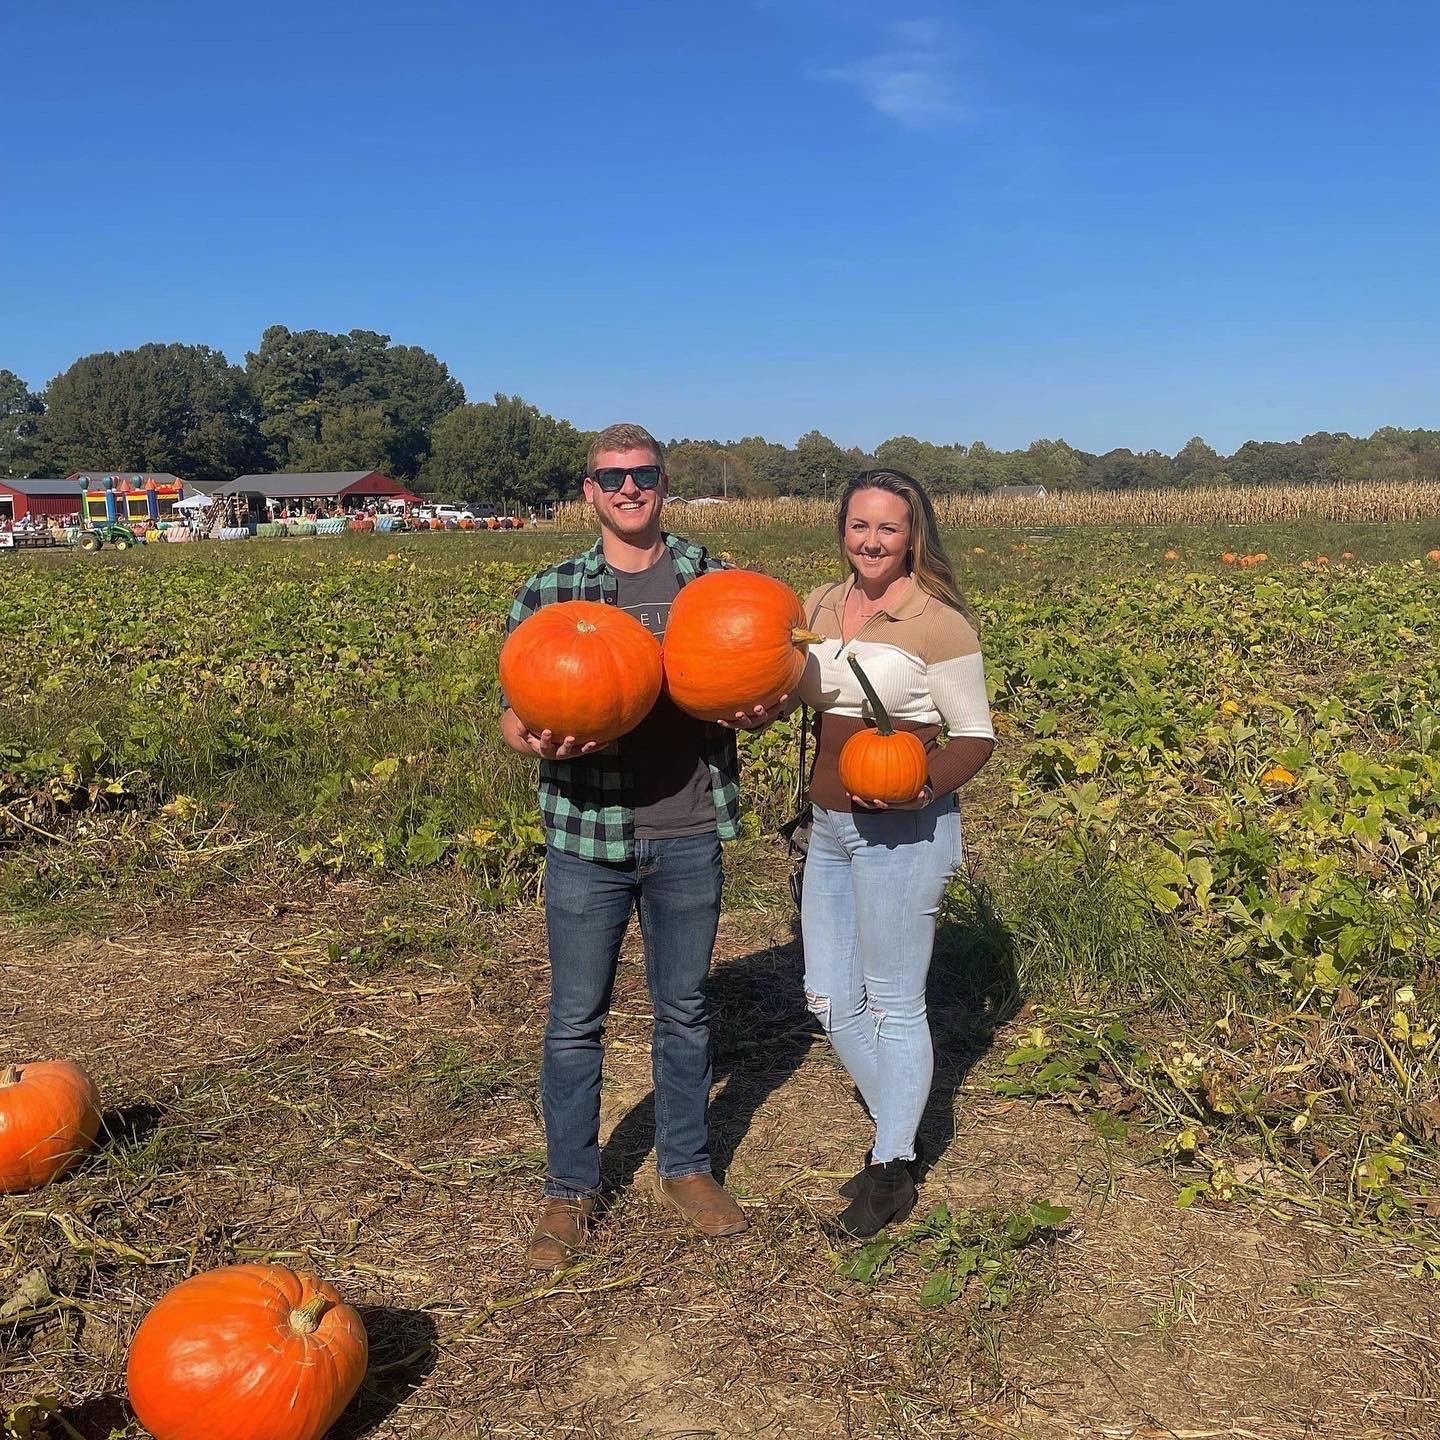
[1124,223]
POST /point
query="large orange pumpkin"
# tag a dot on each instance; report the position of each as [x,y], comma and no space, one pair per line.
[883,763]
[581,668]
[735,639]
[247,1352]
[49,1117]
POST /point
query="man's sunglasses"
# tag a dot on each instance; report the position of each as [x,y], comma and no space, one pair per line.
[612,478]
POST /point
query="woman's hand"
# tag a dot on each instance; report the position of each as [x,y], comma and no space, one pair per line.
[758,718]
[924,798]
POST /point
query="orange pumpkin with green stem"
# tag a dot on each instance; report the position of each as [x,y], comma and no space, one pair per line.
[581,668]
[883,764]
[247,1352]
[735,639]
[49,1118]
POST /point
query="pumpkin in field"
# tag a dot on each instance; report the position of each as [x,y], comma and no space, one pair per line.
[883,763]
[735,639]
[1433,556]
[1228,558]
[581,668]
[1347,554]
[247,1352]
[49,1118]
[1172,554]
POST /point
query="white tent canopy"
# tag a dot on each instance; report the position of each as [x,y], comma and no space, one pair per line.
[193,502]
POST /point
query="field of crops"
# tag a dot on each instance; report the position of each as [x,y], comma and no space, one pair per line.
[1274,505]
[1199,946]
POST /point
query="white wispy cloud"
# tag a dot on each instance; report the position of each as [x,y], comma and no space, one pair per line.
[915,81]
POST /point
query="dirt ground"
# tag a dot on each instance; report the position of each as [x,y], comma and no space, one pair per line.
[305,1086]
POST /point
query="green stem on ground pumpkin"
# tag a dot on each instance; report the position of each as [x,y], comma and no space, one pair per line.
[882,715]
[306,1320]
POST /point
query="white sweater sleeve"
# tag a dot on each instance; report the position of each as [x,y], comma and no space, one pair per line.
[958,689]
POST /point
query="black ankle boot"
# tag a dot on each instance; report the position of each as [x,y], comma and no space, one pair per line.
[885,1194]
[851,1188]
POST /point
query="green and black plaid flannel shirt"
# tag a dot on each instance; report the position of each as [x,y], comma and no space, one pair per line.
[586,803]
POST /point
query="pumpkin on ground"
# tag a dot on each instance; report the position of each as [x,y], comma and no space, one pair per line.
[883,763]
[581,668]
[735,639]
[49,1118]
[1433,556]
[247,1352]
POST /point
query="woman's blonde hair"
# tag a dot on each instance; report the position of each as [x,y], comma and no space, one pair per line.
[929,564]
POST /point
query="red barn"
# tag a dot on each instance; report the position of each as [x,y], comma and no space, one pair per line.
[39,499]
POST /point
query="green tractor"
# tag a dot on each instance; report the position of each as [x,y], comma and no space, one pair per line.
[92,538]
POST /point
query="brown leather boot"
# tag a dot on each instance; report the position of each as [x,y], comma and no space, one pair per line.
[703,1201]
[559,1231]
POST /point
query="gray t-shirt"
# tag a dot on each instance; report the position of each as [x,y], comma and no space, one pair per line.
[665,753]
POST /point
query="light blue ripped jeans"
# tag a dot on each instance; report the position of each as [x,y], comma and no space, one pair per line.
[873,884]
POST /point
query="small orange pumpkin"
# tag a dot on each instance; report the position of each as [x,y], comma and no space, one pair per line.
[883,763]
[1172,554]
[1347,554]
[1228,558]
[247,1352]
[49,1118]
[735,639]
[1433,556]
[581,668]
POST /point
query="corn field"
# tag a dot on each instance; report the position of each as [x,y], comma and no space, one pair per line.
[1219,505]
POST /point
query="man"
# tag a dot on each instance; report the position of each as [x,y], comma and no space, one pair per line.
[635,823]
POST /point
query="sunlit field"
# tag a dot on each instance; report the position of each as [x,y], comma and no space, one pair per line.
[270,873]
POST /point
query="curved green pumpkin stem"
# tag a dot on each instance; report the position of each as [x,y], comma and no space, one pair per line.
[306,1320]
[882,715]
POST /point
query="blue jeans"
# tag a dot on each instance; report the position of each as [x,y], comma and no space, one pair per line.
[676,885]
[873,885]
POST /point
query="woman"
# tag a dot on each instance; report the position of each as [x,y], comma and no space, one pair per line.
[875,875]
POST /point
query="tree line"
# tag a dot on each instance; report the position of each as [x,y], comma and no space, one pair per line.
[310,400]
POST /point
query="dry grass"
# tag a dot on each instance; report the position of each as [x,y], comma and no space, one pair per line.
[1227,505]
[284,1085]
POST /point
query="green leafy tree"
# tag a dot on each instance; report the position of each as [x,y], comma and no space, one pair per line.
[307,380]
[771,466]
[1196,463]
[821,466]
[698,467]
[181,408]
[1053,464]
[20,413]
[925,461]
[505,449]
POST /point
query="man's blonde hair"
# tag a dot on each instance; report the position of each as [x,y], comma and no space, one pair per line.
[624,437]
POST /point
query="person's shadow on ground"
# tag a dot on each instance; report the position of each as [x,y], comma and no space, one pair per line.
[762,1031]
